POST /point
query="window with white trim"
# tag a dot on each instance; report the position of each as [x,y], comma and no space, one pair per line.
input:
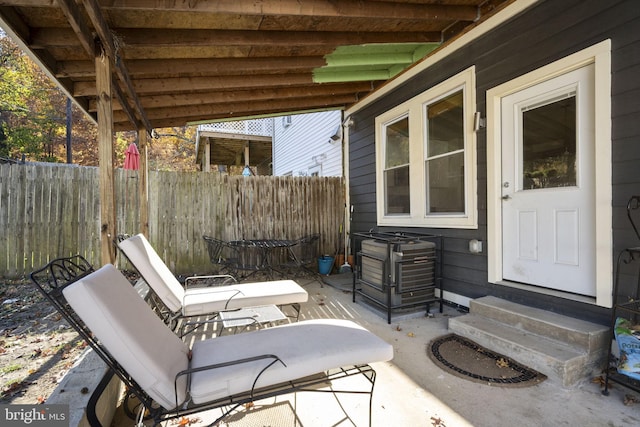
[426,158]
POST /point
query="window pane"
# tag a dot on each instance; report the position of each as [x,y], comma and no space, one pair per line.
[549,145]
[445,126]
[445,184]
[397,143]
[397,191]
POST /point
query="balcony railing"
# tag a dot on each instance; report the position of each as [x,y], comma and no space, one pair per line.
[259,127]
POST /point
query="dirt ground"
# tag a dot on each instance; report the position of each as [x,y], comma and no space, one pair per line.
[37,347]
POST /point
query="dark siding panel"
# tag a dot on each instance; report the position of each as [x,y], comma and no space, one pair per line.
[547,32]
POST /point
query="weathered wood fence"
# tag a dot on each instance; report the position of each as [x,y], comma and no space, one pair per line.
[52,211]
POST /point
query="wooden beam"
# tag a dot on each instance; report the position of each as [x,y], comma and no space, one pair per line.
[143,189]
[225,96]
[149,68]
[99,24]
[153,38]
[324,8]
[106,159]
[78,25]
[203,112]
[179,120]
[157,86]
[122,103]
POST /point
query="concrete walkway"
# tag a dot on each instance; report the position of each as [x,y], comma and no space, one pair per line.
[412,391]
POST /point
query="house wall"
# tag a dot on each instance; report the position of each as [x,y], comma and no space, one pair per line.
[302,146]
[542,34]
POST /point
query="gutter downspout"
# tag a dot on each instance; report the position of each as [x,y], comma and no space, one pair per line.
[348,209]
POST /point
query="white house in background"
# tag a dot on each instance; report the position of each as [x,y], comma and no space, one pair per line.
[308,144]
[298,145]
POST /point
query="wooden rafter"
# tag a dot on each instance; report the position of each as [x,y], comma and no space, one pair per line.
[175,38]
[201,112]
[148,68]
[323,8]
[190,57]
[104,34]
[262,94]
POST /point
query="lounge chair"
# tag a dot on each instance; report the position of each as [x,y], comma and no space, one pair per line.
[172,380]
[208,301]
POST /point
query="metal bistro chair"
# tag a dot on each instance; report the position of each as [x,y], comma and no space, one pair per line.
[241,258]
[302,255]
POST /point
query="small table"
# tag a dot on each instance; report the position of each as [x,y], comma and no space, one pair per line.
[245,317]
[255,254]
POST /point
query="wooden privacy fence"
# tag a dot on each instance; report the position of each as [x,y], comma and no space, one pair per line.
[48,211]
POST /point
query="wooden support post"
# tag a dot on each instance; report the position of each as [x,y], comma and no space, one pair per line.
[106,157]
[143,189]
[246,153]
[207,156]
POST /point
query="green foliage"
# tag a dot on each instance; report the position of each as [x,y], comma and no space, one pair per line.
[33,122]
[32,109]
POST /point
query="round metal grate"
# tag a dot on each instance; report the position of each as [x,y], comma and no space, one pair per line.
[516,373]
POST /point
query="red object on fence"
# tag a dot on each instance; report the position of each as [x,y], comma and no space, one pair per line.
[132,157]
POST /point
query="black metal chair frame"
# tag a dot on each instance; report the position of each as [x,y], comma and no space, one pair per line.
[303,254]
[176,320]
[59,273]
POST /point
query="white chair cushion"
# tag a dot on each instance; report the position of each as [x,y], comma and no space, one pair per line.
[199,301]
[155,272]
[134,336]
[306,347]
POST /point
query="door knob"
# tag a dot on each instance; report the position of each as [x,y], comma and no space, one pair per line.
[507,197]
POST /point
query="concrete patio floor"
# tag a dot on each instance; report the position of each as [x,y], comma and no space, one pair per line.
[412,391]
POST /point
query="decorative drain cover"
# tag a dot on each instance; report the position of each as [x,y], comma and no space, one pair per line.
[467,359]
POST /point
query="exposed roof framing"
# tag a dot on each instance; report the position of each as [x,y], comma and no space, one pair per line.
[177,62]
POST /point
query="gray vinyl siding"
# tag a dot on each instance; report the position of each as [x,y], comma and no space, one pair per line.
[305,143]
[548,31]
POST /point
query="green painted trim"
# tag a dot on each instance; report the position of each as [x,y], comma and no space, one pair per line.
[370,62]
[334,60]
[335,76]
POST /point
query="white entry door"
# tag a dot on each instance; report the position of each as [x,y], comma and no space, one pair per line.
[548,185]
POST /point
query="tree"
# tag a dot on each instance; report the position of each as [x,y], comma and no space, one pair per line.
[33,122]
[31,108]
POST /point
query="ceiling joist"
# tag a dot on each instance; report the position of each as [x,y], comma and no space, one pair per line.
[176,62]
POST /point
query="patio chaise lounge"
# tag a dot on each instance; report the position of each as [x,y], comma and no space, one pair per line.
[172,380]
[206,301]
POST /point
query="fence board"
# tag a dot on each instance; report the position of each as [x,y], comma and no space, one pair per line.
[48,211]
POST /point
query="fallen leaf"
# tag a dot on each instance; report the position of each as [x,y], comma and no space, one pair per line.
[12,388]
[630,399]
[600,381]
[437,422]
[411,335]
[502,363]
[398,328]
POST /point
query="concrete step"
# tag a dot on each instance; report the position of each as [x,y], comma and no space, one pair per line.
[564,349]
[574,332]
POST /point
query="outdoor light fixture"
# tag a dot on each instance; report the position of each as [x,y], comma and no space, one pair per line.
[478,122]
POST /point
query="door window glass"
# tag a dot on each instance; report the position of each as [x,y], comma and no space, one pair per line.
[549,145]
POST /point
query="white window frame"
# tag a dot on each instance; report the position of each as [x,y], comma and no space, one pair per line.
[415,109]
